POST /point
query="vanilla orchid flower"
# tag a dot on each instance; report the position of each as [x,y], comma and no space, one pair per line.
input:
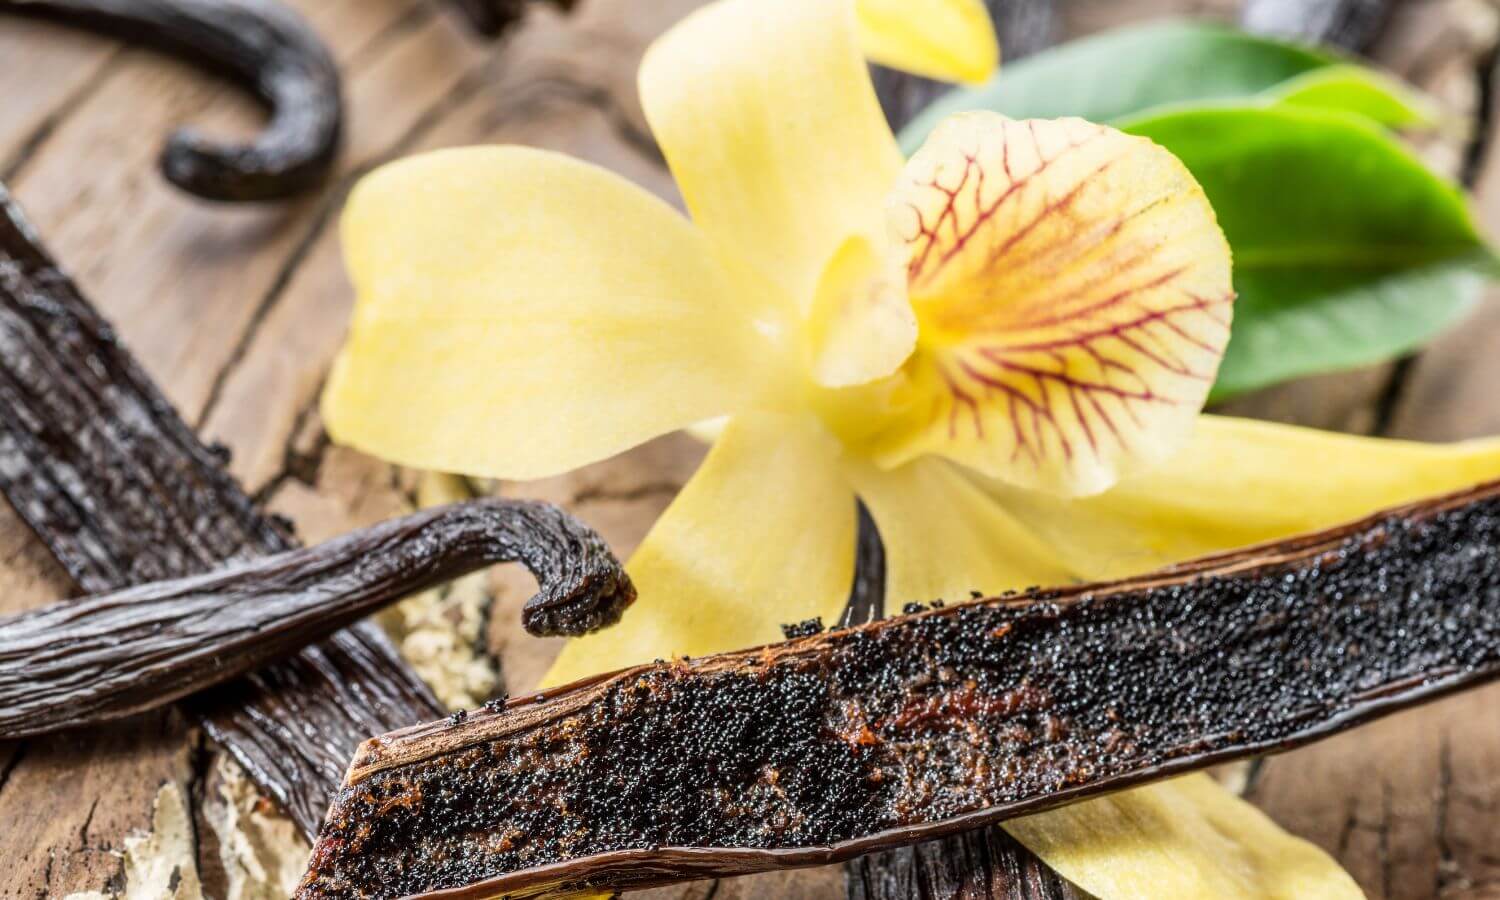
[1001,346]
[1041,303]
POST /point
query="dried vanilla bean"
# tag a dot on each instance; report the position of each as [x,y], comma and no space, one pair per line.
[1348,24]
[85,661]
[922,726]
[492,18]
[974,865]
[261,44]
[867,591]
[116,485]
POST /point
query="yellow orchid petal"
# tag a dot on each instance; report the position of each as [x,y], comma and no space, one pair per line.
[1073,289]
[944,537]
[765,112]
[762,535]
[1240,482]
[1184,838]
[949,40]
[520,314]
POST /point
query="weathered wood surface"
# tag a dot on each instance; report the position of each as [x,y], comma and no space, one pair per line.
[236,313]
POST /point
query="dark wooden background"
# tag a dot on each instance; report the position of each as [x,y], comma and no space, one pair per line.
[237,312]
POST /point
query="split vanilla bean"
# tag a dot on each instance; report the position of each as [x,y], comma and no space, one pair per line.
[94,459]
[922,726]
[261,44]
[85,661]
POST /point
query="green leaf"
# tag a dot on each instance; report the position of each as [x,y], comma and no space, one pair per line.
[1347,250]
[1123,73]
[1356,89]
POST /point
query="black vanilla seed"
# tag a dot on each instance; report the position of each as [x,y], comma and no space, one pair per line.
[805,628]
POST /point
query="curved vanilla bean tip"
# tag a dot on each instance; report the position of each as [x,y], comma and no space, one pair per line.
[583,587]
[261,44]
[917,727]
[101,657]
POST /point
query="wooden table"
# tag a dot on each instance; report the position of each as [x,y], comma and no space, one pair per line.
[237,312]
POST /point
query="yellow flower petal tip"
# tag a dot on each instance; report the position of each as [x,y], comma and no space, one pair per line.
[765,112]
[950,40]
[1184,838]
[1073,291]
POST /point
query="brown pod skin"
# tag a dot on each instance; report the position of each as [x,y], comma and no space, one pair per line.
[89,660]
[94,459]
[260,44]
[926,725]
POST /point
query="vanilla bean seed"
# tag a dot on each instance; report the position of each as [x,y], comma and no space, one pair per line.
[983,863]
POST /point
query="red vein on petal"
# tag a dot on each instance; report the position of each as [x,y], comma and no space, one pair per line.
[1033,418]
[1119,435]
[1013,397]
[1100,306]
[949,212]
[1049,209]
[918,263]
[1104,389]
[961,396]
[1113,329]
[1082,420]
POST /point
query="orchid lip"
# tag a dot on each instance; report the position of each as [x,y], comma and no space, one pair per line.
[1073,292]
